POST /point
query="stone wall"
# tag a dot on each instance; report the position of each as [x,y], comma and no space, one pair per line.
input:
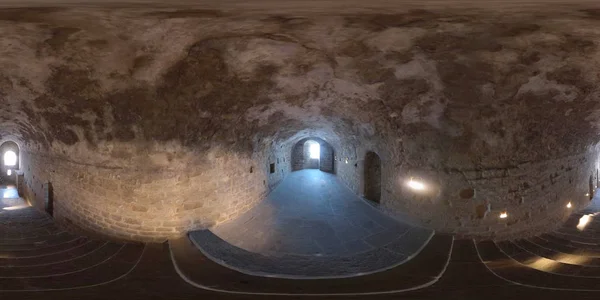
[180,130]
[326,163]
[137,203]
[301,156]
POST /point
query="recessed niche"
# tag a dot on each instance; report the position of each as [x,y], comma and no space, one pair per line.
[481,211]
[272,168]
[251,169]
[467,193]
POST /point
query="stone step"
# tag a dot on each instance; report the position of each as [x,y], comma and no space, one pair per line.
[44,251]
[49,241]
[76,251]
[116,267]
[34,240]
[15,236]
[563,247]
[98,256]
[423,270]
[545,251]
[544,264]
[577,238]
[509,269]
[570,241]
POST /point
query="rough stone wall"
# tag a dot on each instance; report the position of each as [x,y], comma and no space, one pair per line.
[141,204]
[534,194]
[148,121]
[280,157]
[326,158]
[297,161]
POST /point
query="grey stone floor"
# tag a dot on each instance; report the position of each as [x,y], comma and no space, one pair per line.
[312,213]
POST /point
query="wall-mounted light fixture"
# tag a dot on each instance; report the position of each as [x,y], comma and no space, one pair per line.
[587,194]
[503,215]
[415,184]
[569,205]
[9,172]
[346,160]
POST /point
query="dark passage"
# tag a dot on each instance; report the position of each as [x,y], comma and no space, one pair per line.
[373,177]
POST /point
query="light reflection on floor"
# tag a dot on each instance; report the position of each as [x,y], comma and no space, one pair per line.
[10,192]
[10,200]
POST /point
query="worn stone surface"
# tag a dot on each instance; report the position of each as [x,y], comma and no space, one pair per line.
[150,122]
[312,213]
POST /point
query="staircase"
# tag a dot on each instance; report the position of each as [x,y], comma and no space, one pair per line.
[36,255]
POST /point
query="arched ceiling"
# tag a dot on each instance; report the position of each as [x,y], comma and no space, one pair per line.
[464,87]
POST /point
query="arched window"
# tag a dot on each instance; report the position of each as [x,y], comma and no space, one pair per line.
[9,152]
[10,158]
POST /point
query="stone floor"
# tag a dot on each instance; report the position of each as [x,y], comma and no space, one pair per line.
[311,213]
[312,226]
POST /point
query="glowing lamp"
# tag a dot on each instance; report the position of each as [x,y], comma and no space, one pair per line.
[9,172]
[569,205]
[416,185]
[503,215]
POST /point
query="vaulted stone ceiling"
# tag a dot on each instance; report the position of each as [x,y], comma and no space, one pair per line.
[133,112]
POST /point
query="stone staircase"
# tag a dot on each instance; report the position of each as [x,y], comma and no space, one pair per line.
[37,255]
[567,258]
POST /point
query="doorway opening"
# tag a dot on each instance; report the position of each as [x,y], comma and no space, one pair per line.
[591,187]
[9,155]
[312,153]
[372,177]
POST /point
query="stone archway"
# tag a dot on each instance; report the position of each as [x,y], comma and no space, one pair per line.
[372,177]
[302,158]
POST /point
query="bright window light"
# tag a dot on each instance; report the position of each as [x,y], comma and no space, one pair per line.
[10,158]
[9,172]
[314,150]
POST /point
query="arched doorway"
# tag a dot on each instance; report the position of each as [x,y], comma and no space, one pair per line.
[312,153]
[591,186]
[372,177]
[9,162]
